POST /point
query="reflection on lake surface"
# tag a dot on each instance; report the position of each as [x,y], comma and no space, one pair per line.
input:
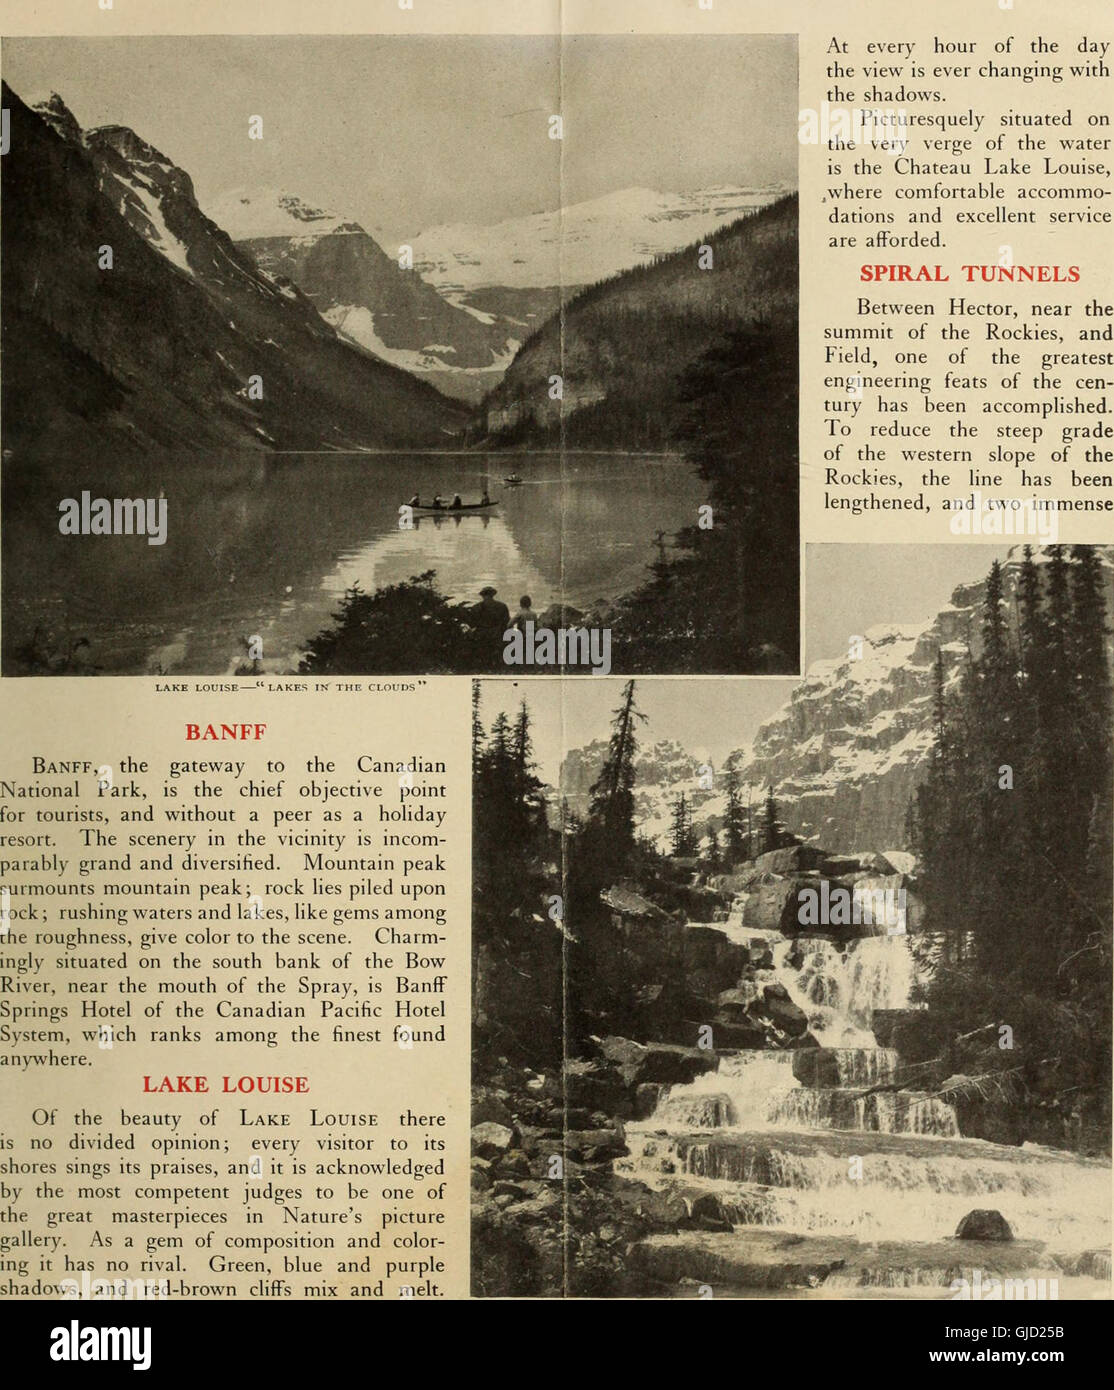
[266,546]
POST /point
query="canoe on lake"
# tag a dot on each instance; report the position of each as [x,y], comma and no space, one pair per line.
[453,511]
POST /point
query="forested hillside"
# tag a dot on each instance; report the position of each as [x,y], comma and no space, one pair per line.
[622,347]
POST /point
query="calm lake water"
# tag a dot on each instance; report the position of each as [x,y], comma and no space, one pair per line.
[267,546]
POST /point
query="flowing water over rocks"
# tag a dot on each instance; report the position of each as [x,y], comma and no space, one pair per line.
[810,1169]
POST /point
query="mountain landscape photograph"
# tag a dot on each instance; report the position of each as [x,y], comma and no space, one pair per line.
[801,989]
[385,324]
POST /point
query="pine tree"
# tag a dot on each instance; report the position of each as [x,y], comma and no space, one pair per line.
[611,797]
[993,621]
[500,745]
[735,847]
[522,748]
[1088,636]
[771,825]
[681,832]
[1031,623]
[1059,611]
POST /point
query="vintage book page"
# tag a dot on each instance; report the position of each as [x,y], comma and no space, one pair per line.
[555,663]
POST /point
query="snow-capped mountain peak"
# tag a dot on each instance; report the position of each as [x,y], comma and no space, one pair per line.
[256,214]
[581,243]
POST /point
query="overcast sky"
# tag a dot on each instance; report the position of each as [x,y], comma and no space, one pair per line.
[402,133]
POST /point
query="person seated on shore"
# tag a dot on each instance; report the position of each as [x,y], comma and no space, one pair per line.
[525,614]
[456,503]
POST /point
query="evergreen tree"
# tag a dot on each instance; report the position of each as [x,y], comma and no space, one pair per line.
[517,965]
[1012,828]
[771,823]
[993,621]
[1088,634]
[1031,620]
[522,747]
[681,837]
[611,797]
[736,833]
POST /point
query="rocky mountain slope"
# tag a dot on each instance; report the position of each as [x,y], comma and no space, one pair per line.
[662,770]
[622,346]
[846,752]
[159,348]
[367,296]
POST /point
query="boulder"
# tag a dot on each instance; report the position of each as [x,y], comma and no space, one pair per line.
[836,865]
[511,1189]
[738,1031]
[707,1207]
[595,1085]
[786,1015]
[544,1207]
[762,955]
[646,1097]
[791,859]
[490,1140]
[668,1064]
[665,1011]
[662,1211]
[984,1223]
[513,1164]
[886,1023]
[734,1002]
[491,1105]
[816,1066]
[595,1145]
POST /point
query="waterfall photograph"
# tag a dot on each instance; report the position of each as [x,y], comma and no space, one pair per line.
[800,989]
[399,338]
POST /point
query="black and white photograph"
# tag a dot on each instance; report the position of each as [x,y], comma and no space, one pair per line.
[800,989]
[400,354]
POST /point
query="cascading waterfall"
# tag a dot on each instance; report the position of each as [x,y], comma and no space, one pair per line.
[839,988]
[804,1140]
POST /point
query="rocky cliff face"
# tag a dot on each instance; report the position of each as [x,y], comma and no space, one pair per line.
[846,752]
[662,771]
[371,301]
[158,347]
